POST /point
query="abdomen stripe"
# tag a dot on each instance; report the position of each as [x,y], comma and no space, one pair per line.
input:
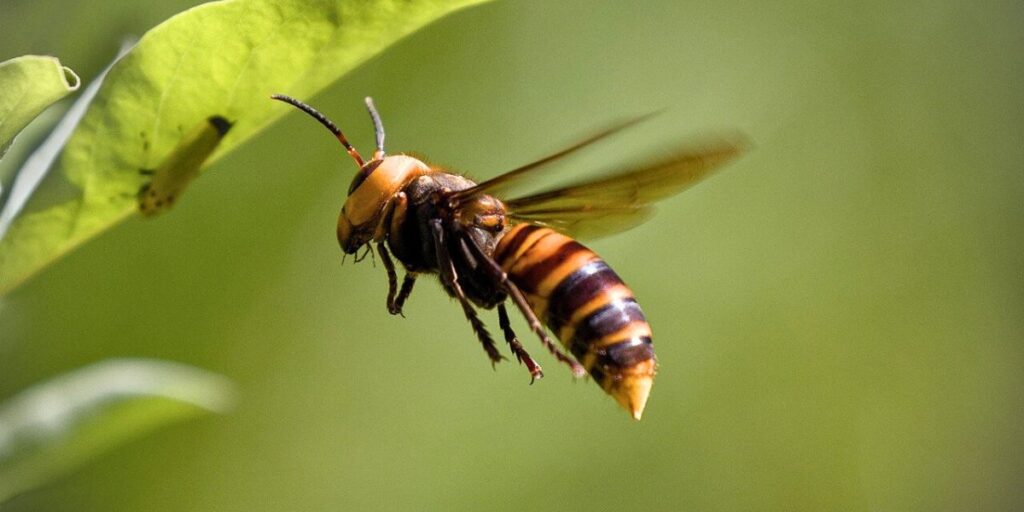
[586,305]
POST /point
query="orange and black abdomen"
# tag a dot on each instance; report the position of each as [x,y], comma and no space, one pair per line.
[586,305]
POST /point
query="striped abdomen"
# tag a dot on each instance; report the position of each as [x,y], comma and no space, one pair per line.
[587,306]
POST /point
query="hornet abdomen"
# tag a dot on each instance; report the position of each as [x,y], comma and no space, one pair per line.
[587,306]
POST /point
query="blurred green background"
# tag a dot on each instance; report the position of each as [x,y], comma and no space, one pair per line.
[838,316]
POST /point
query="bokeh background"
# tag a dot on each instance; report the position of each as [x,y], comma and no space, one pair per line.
[838,315]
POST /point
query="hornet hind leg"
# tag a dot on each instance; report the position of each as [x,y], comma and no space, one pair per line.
[517,348]
[501,278]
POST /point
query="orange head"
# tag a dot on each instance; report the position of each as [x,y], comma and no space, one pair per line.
[371,196]
[374,187]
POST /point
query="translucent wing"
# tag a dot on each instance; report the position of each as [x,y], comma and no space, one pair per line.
[588,224]
[504,182]
[601,206]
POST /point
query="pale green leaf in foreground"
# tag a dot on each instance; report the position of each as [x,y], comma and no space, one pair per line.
[219,59]
[35,167]
[28,85]
[58,425]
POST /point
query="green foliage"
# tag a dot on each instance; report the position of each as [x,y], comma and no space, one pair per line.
[53,427]
[160,116]
[219,59]
[836,315]
[28,85]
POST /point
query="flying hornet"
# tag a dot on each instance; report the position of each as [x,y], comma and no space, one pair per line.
[488,247]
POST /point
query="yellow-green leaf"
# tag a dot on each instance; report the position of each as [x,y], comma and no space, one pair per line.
[29,84]
[219,59]
[181,167]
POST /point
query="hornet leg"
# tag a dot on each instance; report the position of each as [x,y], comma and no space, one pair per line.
[403,294]
[389,266]
[451,278]
[392,218]
[499,275]
[517,348]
